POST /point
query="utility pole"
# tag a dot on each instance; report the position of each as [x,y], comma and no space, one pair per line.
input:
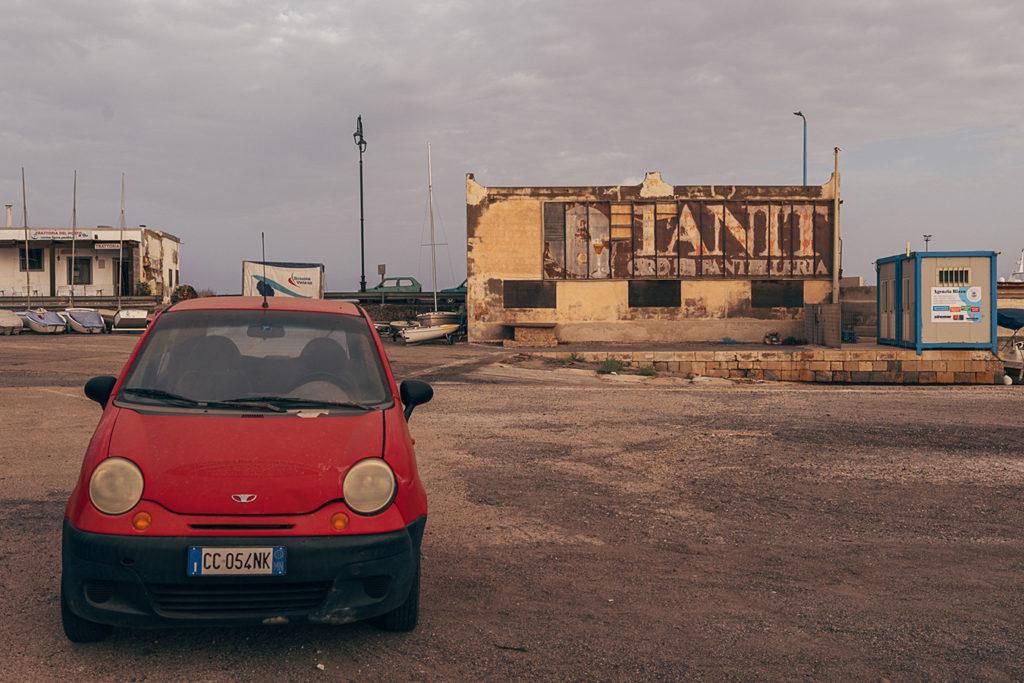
[360,141]
[801,115]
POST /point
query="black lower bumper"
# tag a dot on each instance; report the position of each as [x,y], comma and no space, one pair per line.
[141,582]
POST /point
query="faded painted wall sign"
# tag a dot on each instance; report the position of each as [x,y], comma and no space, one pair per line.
[687,238]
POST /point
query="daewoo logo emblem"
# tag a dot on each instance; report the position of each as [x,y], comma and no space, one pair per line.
[243,497]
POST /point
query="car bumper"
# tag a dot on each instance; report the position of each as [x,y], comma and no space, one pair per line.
[141,582]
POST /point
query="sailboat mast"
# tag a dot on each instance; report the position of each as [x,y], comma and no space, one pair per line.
[74,233]
[24,223]
[433,242]
[120,249]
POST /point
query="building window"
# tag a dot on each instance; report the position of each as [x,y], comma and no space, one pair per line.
[777,294]
[81,273]
[673,239]
[654,294]
[529,294]
[35,259]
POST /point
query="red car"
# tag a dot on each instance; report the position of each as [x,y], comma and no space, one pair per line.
[252,465]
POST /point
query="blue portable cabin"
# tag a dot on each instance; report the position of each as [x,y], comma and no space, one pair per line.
[937,300]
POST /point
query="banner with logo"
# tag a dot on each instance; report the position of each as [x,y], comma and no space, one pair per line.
[303,280]
[956,305]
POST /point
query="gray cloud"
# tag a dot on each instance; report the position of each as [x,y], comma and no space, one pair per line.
[236,117]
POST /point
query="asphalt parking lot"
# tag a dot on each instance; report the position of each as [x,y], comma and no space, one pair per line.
[588,528]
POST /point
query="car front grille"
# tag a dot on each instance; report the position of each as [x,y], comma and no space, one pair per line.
[237,599]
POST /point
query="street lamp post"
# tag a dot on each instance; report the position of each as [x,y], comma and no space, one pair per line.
[360,141]
[801,115]
[927,239]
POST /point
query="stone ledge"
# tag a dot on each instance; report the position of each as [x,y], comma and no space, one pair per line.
[883,365]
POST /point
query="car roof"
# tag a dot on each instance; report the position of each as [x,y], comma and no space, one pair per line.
[274,303]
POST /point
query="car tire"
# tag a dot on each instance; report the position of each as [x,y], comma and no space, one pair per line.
[404,617]
[79,630]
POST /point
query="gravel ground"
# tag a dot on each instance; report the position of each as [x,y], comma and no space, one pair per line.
[601,528]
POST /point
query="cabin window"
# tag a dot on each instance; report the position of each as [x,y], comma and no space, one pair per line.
[80,273]
[35,259]
[954,276]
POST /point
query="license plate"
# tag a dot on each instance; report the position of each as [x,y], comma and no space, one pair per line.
[206,561]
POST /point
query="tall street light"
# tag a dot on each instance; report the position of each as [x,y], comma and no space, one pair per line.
[801,115]
[360,141]
[927,239]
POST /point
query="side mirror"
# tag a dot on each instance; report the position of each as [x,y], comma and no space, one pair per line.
[414,393]
[99,388]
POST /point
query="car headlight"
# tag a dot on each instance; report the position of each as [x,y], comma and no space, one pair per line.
[115,486]
[369,486]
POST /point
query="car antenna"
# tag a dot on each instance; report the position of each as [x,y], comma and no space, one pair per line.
[263,248]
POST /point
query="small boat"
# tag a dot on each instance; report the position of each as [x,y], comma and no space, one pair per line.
[10,323]
[125,319]
[435,318]
[42,321]
[84,320]
[414,335]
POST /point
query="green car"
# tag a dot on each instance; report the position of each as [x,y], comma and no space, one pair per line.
[448,293]
[397,285]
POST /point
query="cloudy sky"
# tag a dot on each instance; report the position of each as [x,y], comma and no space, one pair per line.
[235,117]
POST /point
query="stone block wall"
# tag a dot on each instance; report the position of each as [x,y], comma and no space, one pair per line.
[876,365]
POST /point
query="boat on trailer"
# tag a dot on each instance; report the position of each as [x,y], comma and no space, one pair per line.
[42,321]
[415,335]
[84,320]
[10,323]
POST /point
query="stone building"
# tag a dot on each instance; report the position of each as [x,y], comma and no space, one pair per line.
[138,259]
[649,262]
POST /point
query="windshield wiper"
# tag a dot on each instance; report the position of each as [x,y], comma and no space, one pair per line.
[167,396]
[293,402]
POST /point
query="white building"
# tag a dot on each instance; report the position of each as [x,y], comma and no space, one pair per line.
[151,260]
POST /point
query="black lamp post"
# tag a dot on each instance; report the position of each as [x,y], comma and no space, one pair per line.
[360,141]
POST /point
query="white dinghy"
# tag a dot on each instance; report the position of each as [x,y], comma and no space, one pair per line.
[84,320]
[42,321]
[415,335]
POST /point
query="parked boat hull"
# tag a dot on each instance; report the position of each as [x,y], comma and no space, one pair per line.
[84,320]
[43,322]
[436,318]
[125,320]
[10,323]
[415,335]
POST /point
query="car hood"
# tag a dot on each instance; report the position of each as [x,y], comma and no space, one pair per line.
[290,465]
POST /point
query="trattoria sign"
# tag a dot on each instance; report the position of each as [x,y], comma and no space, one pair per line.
[57,234]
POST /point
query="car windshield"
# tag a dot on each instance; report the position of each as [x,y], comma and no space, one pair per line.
[258,359]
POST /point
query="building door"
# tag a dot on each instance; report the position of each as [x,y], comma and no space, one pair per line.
[123,275]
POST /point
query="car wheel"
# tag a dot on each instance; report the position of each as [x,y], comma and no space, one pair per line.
[403,617]
[79,630]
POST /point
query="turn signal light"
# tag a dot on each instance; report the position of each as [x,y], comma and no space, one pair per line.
[141,521]
[339,522]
